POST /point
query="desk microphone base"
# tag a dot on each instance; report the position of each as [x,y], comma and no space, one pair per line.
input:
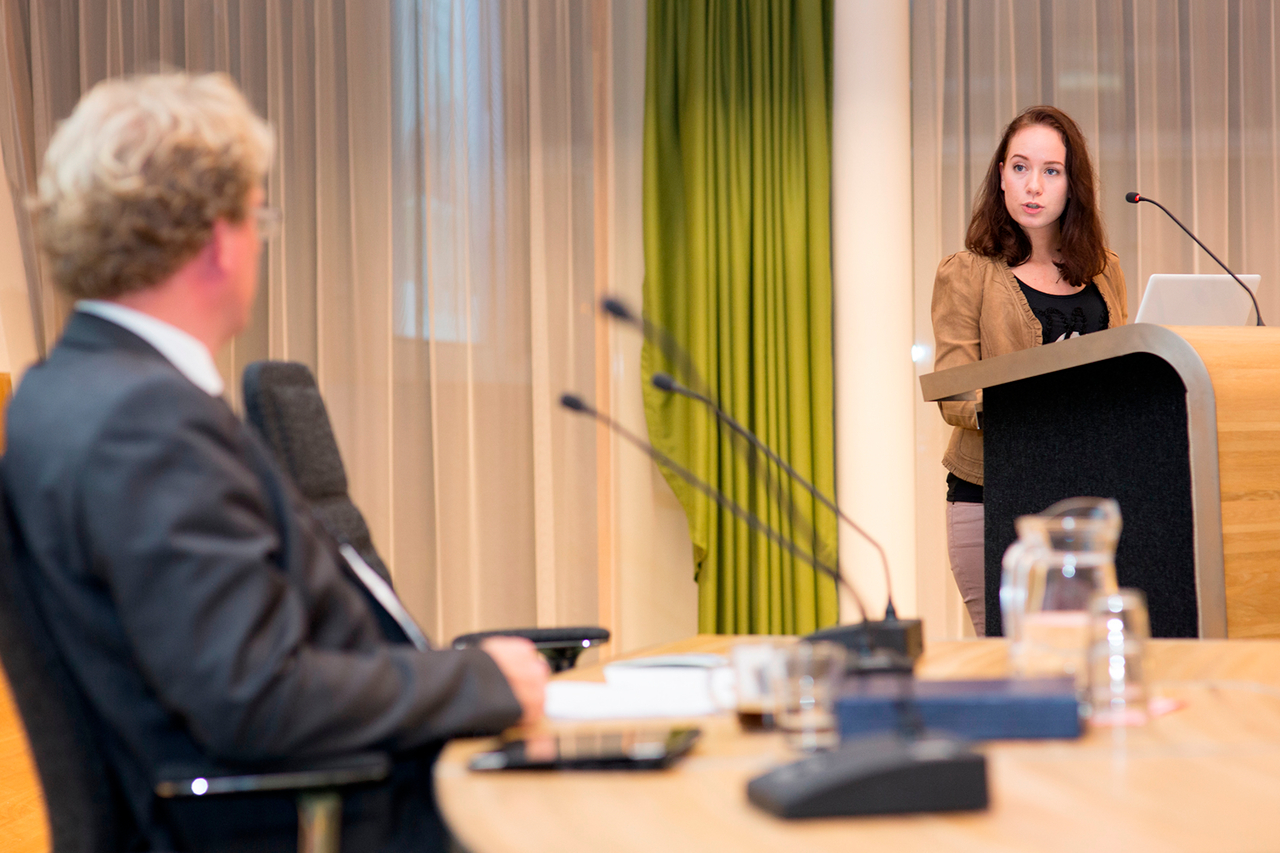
[902,639]
[877,775]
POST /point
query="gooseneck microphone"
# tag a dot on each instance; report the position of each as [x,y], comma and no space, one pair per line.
[890,643]
[666,382]
[674,353]
[577,404]
[1134,198]
[697,389]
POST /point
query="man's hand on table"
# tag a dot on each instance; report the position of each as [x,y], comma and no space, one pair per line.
[525,670]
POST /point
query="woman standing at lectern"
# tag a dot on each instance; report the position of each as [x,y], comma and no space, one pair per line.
[1036,270]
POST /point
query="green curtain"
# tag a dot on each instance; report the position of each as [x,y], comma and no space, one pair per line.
[737,242]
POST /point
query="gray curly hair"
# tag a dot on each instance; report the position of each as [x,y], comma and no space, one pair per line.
[134,179]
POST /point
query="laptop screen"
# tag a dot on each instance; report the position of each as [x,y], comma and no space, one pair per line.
[1197,300]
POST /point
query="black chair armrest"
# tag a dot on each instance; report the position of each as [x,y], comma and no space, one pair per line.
[356,769]
[314,784]
[560,646]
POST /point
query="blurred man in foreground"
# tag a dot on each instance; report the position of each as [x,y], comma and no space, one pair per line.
[205,615]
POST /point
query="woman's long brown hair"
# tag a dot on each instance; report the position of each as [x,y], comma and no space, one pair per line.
[993,232]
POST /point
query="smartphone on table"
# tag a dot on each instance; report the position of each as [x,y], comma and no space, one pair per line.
[650,748]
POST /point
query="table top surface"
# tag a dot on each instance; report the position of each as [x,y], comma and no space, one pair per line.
[1204,777]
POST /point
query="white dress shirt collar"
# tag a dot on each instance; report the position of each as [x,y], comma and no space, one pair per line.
[185,352]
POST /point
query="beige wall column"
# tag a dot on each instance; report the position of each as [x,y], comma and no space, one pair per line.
[655,598]
[871,235]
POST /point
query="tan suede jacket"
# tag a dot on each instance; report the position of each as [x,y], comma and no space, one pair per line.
[979,312]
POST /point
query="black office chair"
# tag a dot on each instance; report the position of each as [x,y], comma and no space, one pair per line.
[86,807]
[283,401]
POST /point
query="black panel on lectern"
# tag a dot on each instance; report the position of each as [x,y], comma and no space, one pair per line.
[1112,429]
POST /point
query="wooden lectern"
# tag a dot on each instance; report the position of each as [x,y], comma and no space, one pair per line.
[1181,425]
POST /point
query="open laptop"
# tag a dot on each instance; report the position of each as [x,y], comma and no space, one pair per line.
[1198,300]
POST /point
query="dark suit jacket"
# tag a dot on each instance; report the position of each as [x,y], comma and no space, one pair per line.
[205,616]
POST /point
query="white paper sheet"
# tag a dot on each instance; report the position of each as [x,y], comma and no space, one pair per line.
[630,692]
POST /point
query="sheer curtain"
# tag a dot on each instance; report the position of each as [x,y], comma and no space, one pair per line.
[436,263]
[1179,100]
[493,310]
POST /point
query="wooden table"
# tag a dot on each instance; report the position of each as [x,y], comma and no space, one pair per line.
[1203,778]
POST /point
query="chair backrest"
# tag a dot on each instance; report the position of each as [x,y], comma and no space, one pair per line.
[87,812]
[282,400]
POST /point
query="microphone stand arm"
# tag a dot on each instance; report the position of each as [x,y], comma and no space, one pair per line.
[1178,222]
[665,382]
[746,516]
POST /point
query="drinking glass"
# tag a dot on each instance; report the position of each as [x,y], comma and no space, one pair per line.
[753,680]
[806,679]
[1118,632]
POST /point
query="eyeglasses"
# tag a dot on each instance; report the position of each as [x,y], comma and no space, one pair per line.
[269,220]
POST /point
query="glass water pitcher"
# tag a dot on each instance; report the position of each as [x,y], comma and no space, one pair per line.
[1061,558]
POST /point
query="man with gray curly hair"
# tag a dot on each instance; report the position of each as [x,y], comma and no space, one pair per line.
[199,608]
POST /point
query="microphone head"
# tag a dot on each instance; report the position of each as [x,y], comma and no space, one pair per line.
[573,402]
[1132,198]
[663,382]
[618,308]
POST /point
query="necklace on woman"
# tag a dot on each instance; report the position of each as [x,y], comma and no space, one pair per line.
[1037,277]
